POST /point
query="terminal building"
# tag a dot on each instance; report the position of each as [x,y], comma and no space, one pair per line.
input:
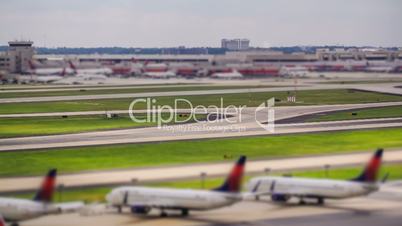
[16,59]
[341,54]
[19,54]
[237,57]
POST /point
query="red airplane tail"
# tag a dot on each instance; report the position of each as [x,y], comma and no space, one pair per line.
[370,173]
[2,222]
[72,66]
[45,193]
[234,180]
[31,65]
[63,72]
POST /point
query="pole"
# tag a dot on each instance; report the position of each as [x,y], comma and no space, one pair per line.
[202,177]
[61,188]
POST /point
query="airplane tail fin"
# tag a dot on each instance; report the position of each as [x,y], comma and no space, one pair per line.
[72,66]
[63,72]
[234,180]
[2,222]
[370,173]
[45,193]
[31,65]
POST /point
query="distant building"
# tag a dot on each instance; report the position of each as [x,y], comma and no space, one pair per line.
[235,44]
[369,54]
[16,59]
[4,61]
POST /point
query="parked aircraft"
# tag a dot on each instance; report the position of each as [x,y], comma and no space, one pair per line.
[43,75]
[281,189]
[33,69]
[90,73]
[142,199]
[234,74]
[161,74]
[15,210]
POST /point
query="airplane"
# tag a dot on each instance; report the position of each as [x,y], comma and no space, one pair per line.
[294,71]
[15,210]
[43,75]
[385,69]
[40,78]
[33,69]
[281,189]
[142,199]
[160,74]
[157,70]
[234,74]
[90,73]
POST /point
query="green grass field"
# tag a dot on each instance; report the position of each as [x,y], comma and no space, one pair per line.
[84,91]
[167,153]
[34,126]
[98,194]
[384,112]
[311,97]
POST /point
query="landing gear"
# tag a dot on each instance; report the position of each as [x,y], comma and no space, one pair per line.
[302,202]
[15,224]
[184,212]
[163,213]
[320,201]
[119,209]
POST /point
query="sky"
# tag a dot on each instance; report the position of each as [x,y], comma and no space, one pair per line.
[201,23]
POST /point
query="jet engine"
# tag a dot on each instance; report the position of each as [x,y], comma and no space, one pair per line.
[140,209]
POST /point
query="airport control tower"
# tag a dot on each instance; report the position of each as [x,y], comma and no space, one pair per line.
[19,55]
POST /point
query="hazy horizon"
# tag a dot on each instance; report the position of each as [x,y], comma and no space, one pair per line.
[201,23]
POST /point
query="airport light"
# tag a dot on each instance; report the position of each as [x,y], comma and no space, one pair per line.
[60,189]
[327,167]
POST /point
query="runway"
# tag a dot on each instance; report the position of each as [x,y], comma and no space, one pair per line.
[142,175]
[381,208]
[248,126]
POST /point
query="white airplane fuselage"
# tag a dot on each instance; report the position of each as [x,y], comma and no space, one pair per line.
[95,71]
[91,76]
[162,74]
[20,209]
[314,188]
[171,198]
[227,75]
